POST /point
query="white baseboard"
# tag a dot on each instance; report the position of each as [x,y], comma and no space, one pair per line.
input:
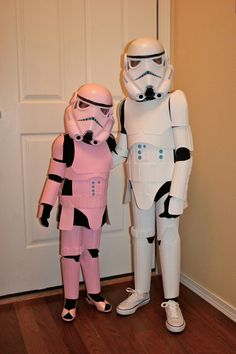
[208,296]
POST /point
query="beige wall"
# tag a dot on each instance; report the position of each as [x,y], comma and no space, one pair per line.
[204,55]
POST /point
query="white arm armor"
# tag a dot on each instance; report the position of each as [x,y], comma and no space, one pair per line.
[121,150]
[182,139]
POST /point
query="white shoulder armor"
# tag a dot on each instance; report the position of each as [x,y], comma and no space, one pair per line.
[178,109]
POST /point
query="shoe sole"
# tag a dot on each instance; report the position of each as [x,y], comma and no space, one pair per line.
[133,309]
[175,329]
[68,320]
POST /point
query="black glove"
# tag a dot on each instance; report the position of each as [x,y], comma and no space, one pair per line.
[165,213]
[46,214]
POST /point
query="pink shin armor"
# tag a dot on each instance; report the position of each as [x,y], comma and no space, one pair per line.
[89,116]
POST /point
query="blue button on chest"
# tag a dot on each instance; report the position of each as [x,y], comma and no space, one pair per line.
[140,148]
[161,154]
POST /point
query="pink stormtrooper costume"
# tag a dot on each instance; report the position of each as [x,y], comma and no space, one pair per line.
[78,176]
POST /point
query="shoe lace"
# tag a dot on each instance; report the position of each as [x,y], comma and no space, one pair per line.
[131,292]
[173,306]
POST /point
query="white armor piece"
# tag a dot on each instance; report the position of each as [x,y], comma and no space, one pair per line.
[147,70]
[156,128]
[121,150]
[154,134]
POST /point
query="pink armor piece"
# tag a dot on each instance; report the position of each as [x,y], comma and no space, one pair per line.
[50,194]
[57,168]
[89,174]
[78,241]
[90,110]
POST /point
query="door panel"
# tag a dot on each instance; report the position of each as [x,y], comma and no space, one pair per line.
[48,49]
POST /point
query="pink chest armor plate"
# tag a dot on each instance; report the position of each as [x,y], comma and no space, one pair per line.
[89,174]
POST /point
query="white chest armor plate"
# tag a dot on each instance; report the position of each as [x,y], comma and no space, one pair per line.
[151,148]
[149,122]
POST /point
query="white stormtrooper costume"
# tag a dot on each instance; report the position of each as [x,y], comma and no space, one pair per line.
[155,124]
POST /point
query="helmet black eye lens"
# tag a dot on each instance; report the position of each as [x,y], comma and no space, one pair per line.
[83,105]
[134,63]
[104,111]
[158,60]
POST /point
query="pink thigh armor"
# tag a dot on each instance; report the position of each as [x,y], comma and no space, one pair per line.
[75,241]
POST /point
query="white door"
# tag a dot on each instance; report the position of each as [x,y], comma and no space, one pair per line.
[48,48]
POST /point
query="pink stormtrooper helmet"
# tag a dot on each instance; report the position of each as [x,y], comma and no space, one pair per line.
[89,117]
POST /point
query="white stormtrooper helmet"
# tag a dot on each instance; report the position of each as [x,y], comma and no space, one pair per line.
[147,74]
[89,117]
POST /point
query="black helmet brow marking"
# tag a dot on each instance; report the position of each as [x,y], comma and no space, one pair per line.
[145,56]
[95,103]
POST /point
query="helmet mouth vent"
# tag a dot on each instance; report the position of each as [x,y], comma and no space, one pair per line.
[88,136]
[149,93]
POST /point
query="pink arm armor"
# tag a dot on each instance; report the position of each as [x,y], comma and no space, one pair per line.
[56,168]
[50,192]
[56,173]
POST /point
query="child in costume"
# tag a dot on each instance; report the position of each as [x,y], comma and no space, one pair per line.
[159,137]
[78,176]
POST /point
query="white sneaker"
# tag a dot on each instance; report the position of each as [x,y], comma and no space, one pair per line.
[133,302]
[174,318]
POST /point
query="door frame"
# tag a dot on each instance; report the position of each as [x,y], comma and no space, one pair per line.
[164,24]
